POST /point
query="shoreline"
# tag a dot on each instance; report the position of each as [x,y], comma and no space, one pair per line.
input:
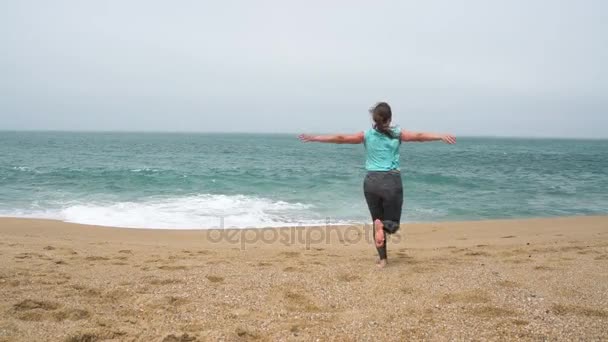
[410,235]
[354,224]
[531,279]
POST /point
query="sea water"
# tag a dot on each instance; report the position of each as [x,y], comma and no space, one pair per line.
[164,180]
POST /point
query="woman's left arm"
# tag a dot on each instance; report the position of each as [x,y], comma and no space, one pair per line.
[356,138]
[422,137]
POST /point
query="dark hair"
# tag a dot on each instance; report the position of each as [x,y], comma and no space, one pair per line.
[382,115]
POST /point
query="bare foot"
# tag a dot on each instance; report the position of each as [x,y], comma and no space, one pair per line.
[381,263]
[379,230]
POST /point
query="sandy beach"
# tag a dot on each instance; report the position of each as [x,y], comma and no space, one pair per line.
[536,279]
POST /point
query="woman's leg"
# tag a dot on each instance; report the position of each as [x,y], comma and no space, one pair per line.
[392,205]
[376,209]
[379,234]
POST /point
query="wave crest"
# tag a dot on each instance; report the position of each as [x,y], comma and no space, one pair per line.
[190,212]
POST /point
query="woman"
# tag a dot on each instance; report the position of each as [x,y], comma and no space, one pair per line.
[382,186]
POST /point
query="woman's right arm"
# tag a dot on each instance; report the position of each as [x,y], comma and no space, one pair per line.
[424,136]
[356,138]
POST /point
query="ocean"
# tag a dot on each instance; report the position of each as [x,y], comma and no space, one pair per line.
[175,180]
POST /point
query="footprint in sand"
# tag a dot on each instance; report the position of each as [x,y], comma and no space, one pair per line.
[291,269]
[348,277]
[477,253]
[217,262]
[299,302]
[96,336]
[171,268]
[579,310]
[71,314]
[96,258]
[69,251]
[458,250]
[152,261]
[403,255]
[174,301]
[215,279]
[83,337]
[27,255]
[264,264]
[117,295]
[407,290]
[86,291]
[290,254]
[246,334]
[181,338]
[34,310]
[30,304]
[166,281]
[520,322]
[517,261]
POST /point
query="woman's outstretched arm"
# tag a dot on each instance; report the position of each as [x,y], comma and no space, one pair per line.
[422,136]
[356,138]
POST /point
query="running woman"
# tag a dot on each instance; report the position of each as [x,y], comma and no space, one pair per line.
[382,187]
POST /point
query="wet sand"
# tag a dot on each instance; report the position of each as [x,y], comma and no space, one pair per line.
[538,279]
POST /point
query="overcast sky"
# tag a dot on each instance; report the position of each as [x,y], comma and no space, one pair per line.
[510,67]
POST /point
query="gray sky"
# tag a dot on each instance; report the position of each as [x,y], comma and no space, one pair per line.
[510,67]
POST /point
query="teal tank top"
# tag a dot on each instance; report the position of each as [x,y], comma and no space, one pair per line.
[382,152]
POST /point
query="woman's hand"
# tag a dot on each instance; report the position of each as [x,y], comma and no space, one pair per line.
[448,139]
[306,137]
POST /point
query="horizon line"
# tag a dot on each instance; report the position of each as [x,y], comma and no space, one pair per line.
[277,133]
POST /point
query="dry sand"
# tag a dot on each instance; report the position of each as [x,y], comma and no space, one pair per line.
[542,279]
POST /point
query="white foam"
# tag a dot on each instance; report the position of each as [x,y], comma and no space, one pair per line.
[191,212]
[145,170]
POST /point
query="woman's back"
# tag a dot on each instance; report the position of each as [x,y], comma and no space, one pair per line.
[382,151]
